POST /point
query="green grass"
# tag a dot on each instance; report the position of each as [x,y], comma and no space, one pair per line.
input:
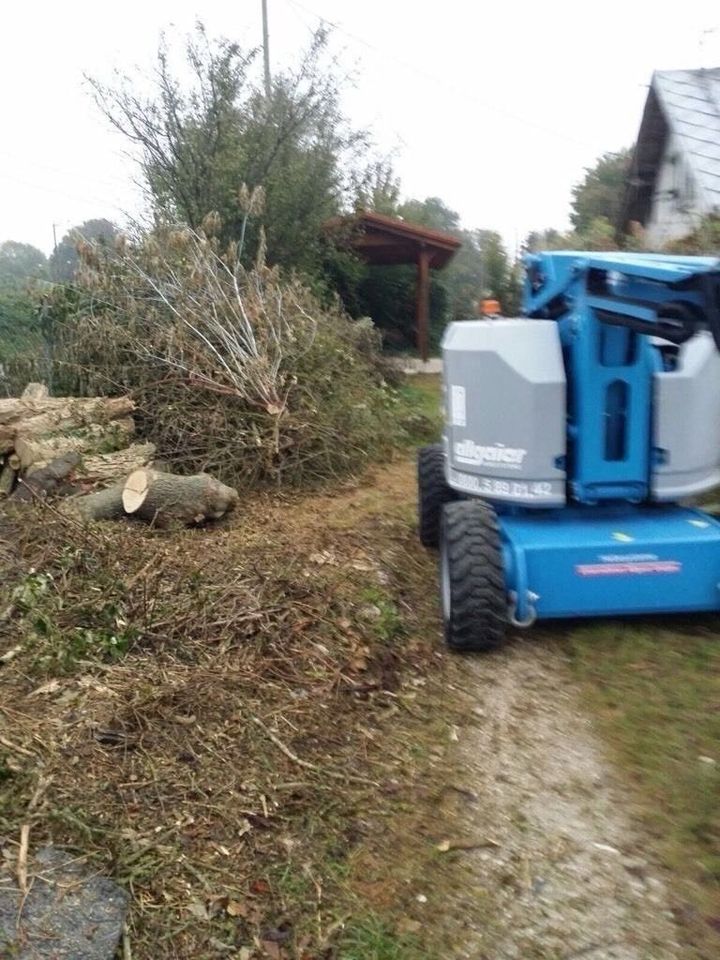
[370,938]
[419,408]
[388,623]
[57,648]
[655,688]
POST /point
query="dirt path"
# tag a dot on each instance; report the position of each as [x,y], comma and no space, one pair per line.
[561,873]
[554,866]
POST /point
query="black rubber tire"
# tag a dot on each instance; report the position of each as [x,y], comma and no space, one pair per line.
[472,585]
[433,492]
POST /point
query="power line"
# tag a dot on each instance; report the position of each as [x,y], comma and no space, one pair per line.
[63,193]
[63,173]
[440,80]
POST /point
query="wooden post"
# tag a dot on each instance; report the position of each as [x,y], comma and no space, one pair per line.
[422,310]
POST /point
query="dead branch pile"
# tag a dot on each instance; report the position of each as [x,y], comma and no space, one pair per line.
[67,445]
[243,374]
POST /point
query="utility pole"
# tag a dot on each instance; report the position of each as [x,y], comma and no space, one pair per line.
[266,47]
[54,226]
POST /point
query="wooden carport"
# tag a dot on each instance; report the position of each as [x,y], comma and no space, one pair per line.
[383,240]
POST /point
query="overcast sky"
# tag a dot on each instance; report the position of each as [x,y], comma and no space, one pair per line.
[494,106]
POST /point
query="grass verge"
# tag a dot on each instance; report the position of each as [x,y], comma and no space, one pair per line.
[419,408]
[655,690]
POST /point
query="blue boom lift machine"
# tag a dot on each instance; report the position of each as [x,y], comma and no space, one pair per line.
[573,436]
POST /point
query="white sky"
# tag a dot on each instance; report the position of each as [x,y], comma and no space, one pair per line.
[495,107]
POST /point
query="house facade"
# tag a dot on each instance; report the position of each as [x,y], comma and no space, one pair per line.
[674,179]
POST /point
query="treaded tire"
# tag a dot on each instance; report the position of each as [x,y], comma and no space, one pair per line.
[433,492]
[472,584]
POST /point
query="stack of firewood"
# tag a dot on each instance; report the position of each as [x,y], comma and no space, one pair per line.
[83,447]
[44,440]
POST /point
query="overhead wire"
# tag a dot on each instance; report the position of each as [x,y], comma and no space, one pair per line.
[75,174]
[443,81]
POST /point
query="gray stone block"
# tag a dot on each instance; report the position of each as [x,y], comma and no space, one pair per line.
[68,914]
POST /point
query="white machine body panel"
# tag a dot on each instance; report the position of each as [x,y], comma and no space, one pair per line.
[505,411]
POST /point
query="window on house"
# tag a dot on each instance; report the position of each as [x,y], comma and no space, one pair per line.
[683,185]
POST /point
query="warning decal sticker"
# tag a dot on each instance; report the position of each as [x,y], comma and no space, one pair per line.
[628,567]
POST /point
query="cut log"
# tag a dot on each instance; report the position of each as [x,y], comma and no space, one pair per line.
[103,505]
[40,451]
[107,466]
[35,391]
[14,461]
[7,480]
[52,414]
[51,479]
[160,498]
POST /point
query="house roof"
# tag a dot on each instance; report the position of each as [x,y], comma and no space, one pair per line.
[685,103]
[390,240]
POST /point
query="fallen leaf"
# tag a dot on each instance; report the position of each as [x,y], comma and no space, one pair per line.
[272,949]
[50,687]
[235,908]
[220,946]
[184,720]
[277,934]
[408,925]
[260,886]
[446,845]
[198,909]
[66,697]
[606,848]
[323,557]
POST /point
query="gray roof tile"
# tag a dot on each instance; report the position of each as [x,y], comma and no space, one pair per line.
[690,101]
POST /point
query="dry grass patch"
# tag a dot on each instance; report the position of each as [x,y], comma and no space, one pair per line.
[208,715]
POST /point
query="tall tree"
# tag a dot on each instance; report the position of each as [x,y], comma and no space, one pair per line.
[200,142]
[376,187]
[431,212]
[21,261]
[22,268]
[64,260]
[600,192]
[599,234]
